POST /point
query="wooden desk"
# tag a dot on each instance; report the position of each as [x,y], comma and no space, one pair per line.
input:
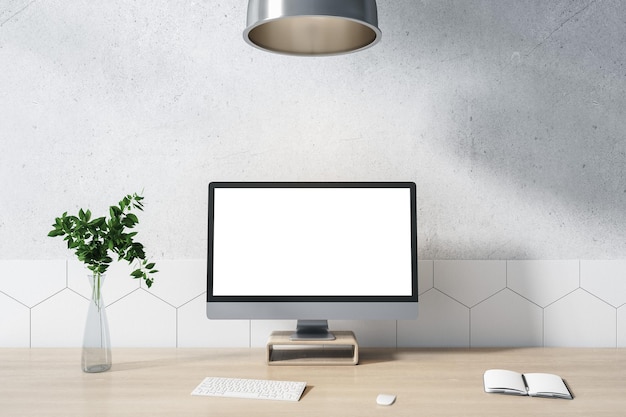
[158,382]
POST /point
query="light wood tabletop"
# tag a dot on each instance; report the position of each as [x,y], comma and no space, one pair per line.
[427,382]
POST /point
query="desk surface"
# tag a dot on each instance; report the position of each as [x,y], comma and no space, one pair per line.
[158,382]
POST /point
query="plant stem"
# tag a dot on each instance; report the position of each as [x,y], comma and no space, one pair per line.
[96,290]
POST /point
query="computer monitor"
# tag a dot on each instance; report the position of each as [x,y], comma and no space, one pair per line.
[312,251]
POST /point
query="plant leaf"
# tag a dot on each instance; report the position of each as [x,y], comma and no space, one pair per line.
[56,232]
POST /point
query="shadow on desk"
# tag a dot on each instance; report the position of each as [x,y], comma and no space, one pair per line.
[135,359]
[163,358]
[373,356]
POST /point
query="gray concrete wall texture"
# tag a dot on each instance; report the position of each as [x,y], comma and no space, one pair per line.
[509,115]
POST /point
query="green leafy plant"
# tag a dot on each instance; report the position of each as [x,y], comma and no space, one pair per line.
[93,240]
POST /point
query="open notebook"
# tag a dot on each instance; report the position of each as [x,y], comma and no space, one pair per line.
[531,384]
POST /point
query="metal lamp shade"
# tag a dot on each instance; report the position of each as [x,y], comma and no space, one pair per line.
[312,27]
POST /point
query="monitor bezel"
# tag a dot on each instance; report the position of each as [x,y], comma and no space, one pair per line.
[413,298]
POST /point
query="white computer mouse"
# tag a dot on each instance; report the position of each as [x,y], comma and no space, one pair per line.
[385,399]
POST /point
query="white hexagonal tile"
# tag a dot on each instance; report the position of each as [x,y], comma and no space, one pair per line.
[605,279]
[260,330]
[142,320]
[196,330]
[425,276]
[369,333]
[31,282]
[441,322]
[14,323]
[117,282]
[543,282]
[179,281]
[506,320]
[621,327]
[59,321]
[470,282]
[580,320]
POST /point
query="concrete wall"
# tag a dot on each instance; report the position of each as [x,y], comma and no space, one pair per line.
[509,116]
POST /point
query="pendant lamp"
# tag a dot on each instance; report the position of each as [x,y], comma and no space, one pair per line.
[312,27]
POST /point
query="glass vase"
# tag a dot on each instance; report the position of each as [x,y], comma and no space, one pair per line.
[96,341]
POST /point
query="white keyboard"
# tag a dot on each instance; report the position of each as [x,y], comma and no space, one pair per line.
[262,389]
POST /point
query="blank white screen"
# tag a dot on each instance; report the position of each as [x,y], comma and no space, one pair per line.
[312,242]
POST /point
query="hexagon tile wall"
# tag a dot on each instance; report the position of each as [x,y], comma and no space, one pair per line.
[462,304]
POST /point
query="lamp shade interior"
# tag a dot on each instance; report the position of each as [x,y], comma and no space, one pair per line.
[336,27]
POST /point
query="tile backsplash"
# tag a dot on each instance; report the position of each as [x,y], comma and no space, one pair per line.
[462,303]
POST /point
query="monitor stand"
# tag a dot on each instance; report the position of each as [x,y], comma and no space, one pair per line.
[283,350]
[312,330]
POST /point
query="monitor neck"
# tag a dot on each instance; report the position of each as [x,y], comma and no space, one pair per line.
[312,330]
